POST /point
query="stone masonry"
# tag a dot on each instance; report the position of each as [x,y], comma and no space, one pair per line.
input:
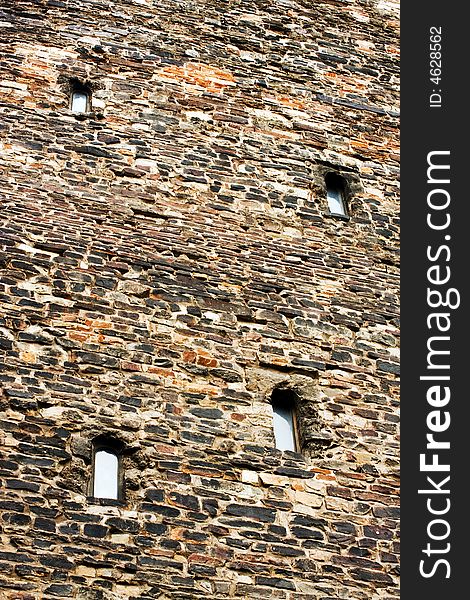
[167,261]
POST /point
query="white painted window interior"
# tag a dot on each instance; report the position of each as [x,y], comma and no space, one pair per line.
[106,475]
[335,194]
[284,420]
[335,201]
[79,101]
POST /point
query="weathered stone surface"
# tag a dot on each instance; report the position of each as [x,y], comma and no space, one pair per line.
[168,259]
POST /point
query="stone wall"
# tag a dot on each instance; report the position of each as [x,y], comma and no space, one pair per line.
[168,259]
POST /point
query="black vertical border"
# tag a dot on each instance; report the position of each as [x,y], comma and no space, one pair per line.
[425,129]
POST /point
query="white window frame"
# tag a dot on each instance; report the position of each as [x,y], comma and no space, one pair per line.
[80,97]
[285,421]
[106,473]
[336,195]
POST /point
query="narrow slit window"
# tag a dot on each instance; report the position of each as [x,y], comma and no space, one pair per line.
[336,194]
[284,420]
[106,474]
[80,100]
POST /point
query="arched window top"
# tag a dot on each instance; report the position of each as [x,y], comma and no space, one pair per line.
[80,98]
[336,194]
[106,482]
[285,420]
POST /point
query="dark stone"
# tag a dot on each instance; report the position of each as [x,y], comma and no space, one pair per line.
[275,582]
[17,484]
[118,524]
[207,413]
[388,367]
[44,524]
[344,527]
[156,528]
[266,515]
[16,519]
[307,534]
[202,570]
[95,151]
[96,359]
[287,550]
[373,576]
[99,531]
[56,562]
[186,501]
[378,532]
[165,511]
[155,495]
[62,590]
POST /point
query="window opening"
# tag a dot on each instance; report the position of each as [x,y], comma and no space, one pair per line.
[80,99]
[336,194]
[106,474]
[284,420]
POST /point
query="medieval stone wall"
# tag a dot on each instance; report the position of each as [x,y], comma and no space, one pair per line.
[168,260]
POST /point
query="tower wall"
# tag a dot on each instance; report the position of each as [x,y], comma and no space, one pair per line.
[168,260]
